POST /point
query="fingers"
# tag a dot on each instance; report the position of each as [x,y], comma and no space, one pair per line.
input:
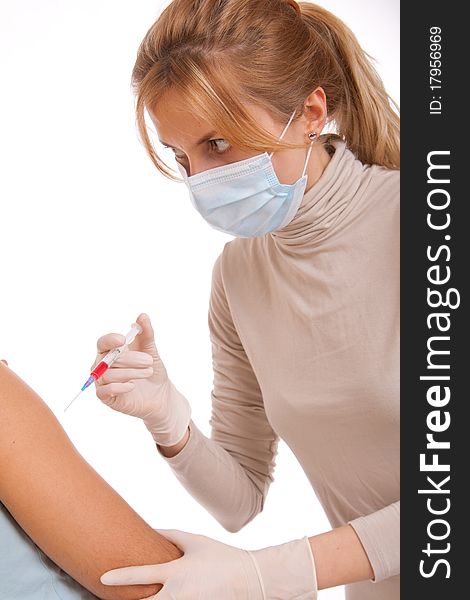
[107,393]
[124,375]
[180,538]
[132,359]
[109,342]
[140,575]
[145,341]
[4,362]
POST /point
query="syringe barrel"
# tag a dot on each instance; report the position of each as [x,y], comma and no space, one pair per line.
[133,333]
[112,355]
[100,368]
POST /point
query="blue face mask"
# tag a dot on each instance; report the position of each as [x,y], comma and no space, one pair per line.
[245,198]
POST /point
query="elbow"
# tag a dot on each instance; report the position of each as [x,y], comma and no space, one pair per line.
[233,526]
[236,520]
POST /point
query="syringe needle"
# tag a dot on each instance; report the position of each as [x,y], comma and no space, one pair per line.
[70,403]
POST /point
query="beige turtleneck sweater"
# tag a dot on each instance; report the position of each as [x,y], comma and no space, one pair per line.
[304,324]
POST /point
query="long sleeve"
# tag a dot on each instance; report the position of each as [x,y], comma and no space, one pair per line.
[379,533]
[230,473]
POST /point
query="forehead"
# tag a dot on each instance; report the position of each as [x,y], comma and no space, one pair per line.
[179,126]
[174,120]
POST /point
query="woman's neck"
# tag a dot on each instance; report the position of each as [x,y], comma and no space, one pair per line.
[319,159]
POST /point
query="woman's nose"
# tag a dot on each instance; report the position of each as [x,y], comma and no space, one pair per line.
[196,166]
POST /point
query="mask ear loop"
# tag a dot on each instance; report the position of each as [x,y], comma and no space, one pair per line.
[311,136]
[284,131]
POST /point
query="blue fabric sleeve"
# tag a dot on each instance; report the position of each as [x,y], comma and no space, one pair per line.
[26,573]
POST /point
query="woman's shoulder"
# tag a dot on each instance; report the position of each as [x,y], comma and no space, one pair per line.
[383,174]
[384,183]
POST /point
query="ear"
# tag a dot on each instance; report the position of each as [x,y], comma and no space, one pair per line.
[315,111]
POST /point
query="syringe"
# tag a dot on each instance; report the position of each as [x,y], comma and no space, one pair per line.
[108,360]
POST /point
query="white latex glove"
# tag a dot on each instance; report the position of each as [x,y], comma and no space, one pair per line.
[137,384]
[212,570]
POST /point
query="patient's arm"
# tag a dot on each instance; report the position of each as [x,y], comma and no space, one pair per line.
[68,510]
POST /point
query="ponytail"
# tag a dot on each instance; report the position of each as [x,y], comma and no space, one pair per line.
[356,98]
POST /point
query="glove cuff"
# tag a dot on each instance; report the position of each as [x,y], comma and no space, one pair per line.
[287,572]
[168,425]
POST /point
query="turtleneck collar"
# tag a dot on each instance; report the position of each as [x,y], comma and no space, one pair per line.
[326,202]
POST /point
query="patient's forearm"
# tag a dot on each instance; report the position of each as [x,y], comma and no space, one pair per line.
[68,510]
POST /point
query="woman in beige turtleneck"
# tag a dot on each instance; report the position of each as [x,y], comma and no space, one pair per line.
[304,308]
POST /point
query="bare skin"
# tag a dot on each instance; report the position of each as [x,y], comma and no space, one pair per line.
[339,555]
[178,128]
[66,508]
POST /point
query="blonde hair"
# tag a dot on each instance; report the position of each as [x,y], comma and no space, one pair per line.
[222,55]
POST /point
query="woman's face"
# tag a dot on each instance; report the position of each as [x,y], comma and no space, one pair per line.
[198,147]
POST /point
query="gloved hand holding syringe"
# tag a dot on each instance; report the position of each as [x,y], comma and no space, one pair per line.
[135,382]
[108,360]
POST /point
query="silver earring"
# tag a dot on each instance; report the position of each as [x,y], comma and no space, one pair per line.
[312,135]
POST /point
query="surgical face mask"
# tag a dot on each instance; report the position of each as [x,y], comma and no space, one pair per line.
[245,198]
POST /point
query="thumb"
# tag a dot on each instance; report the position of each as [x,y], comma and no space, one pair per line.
[147,337]
[182,539]
[145,574]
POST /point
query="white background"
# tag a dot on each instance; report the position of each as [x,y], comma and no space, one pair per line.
[91,235]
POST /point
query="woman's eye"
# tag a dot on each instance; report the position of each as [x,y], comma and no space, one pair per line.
[180,156]
[220,145]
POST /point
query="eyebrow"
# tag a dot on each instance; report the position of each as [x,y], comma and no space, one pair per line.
[205,138]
